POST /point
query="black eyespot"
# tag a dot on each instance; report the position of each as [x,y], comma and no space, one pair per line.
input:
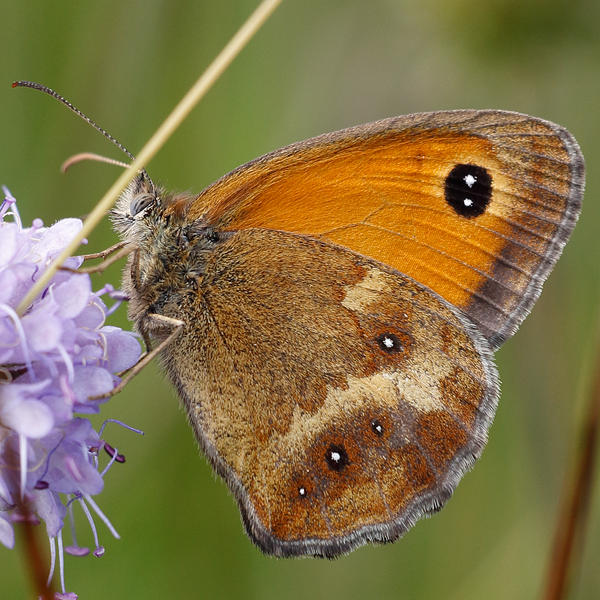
[337,457]
[389,343]
[139,203]
[468,190]
[302,491]
[377,427]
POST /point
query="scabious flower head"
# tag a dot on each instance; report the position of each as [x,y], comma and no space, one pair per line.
[54,359]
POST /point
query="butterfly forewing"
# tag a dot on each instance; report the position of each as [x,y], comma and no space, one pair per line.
[476,205]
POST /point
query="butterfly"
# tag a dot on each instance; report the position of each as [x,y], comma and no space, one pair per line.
[328,312]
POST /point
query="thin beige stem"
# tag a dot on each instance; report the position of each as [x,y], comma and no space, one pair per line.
[181,111]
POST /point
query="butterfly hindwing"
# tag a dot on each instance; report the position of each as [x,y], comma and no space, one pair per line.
[339,399]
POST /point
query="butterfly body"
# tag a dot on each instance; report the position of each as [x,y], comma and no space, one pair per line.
[340,301]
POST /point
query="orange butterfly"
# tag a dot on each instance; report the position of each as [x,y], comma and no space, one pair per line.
[328,312]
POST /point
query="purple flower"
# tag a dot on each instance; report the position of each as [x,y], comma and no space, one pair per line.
[53,360]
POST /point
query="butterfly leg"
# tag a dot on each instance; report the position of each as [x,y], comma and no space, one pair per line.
[116,252]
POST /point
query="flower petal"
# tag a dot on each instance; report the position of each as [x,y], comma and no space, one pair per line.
[91,381]
[54,239]
[73,295]
[93,316]
[8,284]
[51,510]
[123,349]
[42,330]
[30,418]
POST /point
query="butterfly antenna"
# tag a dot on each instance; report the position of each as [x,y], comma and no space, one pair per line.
[50,92]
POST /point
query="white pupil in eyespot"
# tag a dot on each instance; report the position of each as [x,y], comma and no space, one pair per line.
[468,202]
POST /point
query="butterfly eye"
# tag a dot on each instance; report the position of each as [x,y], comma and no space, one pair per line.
[139,203]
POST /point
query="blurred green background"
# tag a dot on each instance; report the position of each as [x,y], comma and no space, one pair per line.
[317,66]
